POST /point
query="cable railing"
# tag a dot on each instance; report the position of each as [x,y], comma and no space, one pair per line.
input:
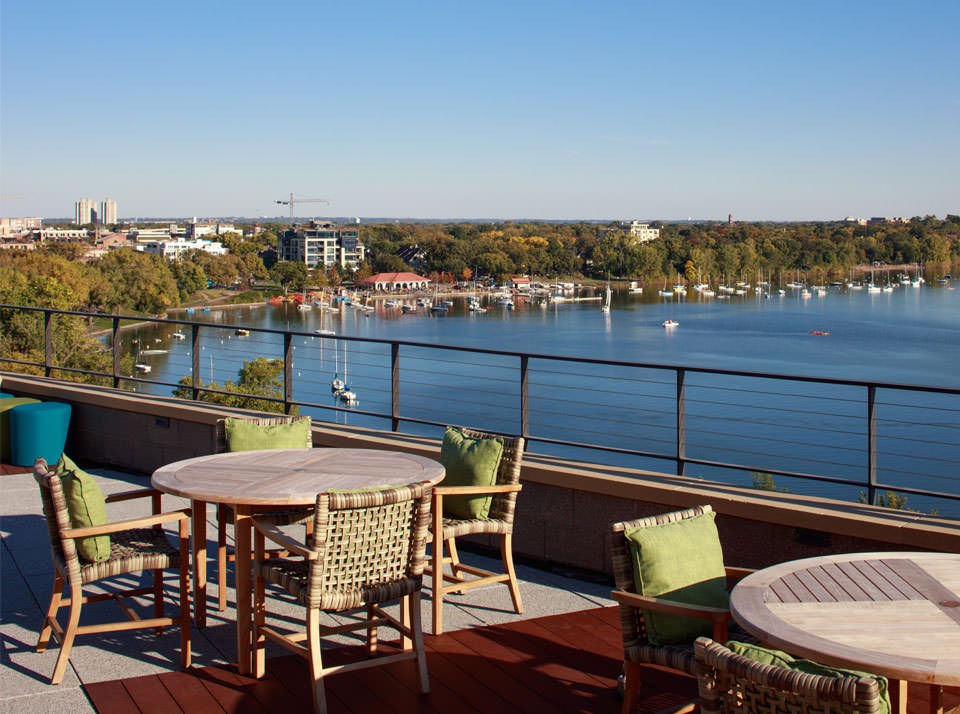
[846,439]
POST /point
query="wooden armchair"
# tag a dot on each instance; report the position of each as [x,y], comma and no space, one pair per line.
[135,545]
[639,649]
[368,550]
[499,522]
[731,684]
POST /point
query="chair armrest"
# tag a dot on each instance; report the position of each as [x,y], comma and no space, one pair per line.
[468,490]
[719,616]
[670,607]
[269,530]
[117,526]
[130,495]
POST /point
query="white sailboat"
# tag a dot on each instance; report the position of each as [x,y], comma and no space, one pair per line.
[606,302]
[337,385]
[347,395]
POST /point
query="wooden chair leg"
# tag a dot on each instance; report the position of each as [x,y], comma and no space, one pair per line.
[316,661]
[506,553]
[416,627]
[52,610]
[454,557]
[436,592]
[158,597]
[259,610]
[631,686]
[76,601]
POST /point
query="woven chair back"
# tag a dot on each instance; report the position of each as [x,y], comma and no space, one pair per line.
[631,618]
[370,546]
[503,505]
[64,550]
[731,684]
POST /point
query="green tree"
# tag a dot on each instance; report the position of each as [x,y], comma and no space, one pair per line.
[289,274]
[260,381]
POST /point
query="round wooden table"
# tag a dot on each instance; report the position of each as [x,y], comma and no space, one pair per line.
[252,481]
[894,614]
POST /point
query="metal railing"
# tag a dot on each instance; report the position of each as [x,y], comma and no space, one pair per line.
[847,439]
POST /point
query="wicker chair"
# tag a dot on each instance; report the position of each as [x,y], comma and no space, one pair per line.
[499,523]
[225,513]
[638,651]
[729,683]
[135,545]
[368,550]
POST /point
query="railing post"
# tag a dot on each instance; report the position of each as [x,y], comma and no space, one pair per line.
[871,444]
[195,367]
[47,343]
[525,397]
[681,422]
[116,352]
[395,386]
[287,371]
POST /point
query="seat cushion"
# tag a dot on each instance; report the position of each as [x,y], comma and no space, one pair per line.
[86,507]
[246,435]
[782,659]
[680,561]
[469,462]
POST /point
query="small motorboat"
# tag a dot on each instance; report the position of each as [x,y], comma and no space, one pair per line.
[670,323]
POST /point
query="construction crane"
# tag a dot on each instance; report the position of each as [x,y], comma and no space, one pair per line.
[299,200]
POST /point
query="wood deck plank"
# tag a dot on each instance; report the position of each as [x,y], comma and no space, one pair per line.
[561,663]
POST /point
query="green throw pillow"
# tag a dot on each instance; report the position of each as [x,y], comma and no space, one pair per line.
[469,462]
[680,561]
[782,659]
[246,435]
[86,507]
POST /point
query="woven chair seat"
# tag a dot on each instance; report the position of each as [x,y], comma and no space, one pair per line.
[452,527]
[132,551]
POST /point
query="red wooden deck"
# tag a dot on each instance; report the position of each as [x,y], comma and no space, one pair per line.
[561,663]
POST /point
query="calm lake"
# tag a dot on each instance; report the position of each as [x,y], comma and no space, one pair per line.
[908,336]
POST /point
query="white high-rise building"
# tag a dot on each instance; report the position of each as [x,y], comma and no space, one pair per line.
[85,211]
[108,211]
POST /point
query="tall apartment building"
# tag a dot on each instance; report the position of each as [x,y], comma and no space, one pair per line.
[84,212]
[108,211]
[322,245]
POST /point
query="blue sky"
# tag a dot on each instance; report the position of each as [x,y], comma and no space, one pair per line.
[606,109]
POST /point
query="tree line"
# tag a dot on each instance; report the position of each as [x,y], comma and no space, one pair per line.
[131,282]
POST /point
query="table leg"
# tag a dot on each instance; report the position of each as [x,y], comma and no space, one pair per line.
[242,533]
[897,689]
[199,522]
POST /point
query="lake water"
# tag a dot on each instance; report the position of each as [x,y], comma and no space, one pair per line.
[908,336]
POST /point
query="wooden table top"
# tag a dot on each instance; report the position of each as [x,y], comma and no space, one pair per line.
[281,477]
[895,614]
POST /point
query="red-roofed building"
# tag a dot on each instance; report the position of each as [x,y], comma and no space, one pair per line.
[519,282]
[394,282]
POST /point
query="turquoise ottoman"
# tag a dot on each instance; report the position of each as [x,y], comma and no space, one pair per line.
[38,430]
[6,405]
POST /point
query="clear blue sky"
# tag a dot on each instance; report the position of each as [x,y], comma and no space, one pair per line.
[605,109]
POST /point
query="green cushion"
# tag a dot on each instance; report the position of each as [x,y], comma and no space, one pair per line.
[680,561]
[469,462]
[782,659]
[246,435]
[86,507]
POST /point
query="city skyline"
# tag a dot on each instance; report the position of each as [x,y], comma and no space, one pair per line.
[553,111]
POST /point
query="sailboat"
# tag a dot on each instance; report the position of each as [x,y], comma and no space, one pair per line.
[347,395]
[606,303]
[337,385]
